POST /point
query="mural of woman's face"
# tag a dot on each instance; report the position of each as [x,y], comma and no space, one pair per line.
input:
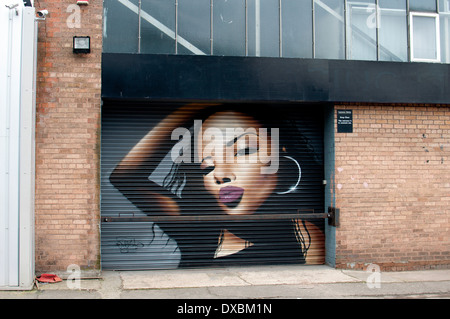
[232,165]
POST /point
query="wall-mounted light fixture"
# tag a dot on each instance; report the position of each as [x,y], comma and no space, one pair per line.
[42,14]
[81,44]
[83,2]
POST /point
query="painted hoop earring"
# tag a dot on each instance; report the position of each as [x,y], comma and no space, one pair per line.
[293,188]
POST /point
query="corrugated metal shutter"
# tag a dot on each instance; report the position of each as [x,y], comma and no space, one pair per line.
[161,214]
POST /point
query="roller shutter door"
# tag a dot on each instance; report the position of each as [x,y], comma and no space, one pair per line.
[190,185]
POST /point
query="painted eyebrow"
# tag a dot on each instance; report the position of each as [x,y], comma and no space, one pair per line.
[231,142]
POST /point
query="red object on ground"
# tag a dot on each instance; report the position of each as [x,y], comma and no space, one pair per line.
[48,278]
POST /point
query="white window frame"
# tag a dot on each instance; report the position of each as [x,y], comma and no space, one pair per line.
[438,36]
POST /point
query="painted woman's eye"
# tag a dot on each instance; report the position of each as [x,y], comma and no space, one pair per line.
[207,169]
[246,151]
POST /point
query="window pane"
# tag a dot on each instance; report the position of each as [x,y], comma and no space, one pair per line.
[297,28]
[362,31]
[444,19]
[393,36]
[392,4]
[329,29]
[158,26]
[229,27]
[444,6]
[194,24]
[424,37]
[120,27]
[263,28]
[422,5]
[445,38]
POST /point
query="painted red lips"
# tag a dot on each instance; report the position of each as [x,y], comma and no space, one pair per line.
[230,195]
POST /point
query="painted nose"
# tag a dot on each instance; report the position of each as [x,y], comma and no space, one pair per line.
[223,180]
[223,174]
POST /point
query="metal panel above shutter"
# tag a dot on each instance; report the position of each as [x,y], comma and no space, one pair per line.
[173,199]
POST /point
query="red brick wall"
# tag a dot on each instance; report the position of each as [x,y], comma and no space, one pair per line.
[393,188]
[67,138]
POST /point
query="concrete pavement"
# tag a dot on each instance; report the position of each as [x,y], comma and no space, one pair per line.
[262,282]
